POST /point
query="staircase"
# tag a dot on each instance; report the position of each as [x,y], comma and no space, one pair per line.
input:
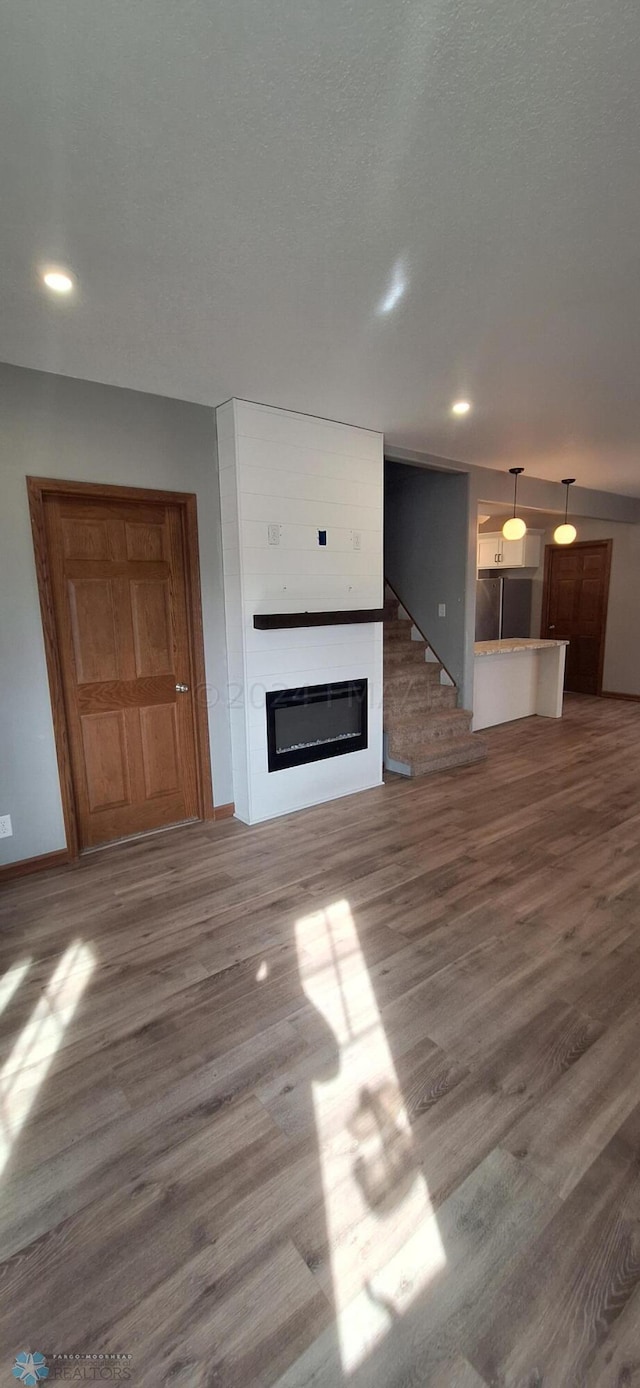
[424,730]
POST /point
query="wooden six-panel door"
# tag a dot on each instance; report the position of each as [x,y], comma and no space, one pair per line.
[575,605]
[118,579]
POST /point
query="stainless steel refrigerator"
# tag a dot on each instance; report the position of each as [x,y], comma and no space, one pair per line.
[503,608]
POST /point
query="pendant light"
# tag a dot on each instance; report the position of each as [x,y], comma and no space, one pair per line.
[565,534]
[514,528]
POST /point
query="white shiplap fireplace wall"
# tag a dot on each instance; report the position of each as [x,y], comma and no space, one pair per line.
[302,475]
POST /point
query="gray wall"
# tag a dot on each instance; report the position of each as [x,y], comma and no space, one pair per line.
[53,426]
[425,553]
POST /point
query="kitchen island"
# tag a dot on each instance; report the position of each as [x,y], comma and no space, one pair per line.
[517,678]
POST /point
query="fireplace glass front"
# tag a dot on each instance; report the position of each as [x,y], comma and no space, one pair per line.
[318,721]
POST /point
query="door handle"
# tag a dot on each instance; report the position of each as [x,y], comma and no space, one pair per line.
[552,626]
[182,689]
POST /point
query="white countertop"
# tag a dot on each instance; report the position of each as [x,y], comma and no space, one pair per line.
[519,643]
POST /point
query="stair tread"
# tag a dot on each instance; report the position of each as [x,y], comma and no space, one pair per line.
[406,648]
[396,672]
[431,743]
[426,733]
[400,692]
[409,750]
[436,716]
[458,751]
[447,715]
[396,684]
[431,699]
[418,741]
[398,628]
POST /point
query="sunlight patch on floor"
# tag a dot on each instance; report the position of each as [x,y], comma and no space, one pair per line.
[23,1073]
[10,982]
[383,1235]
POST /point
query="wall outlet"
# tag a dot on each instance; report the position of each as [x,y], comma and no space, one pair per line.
[442,609]
[274,534]
[6,831]
[356,536]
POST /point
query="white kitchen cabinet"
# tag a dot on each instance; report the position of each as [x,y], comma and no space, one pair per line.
[488,551]
[513,552]
[494,552]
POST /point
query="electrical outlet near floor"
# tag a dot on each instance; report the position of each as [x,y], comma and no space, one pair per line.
[6,831]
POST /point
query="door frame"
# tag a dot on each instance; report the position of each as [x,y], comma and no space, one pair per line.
[38,488]
[607,546]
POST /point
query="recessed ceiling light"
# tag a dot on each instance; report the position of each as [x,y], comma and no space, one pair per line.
[58,281]
[461,407]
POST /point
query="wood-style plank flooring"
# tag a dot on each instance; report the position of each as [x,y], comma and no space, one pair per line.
[352,1097]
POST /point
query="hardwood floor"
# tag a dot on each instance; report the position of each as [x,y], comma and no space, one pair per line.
[350,1097]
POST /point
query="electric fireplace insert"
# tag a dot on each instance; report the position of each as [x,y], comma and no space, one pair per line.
[318,721]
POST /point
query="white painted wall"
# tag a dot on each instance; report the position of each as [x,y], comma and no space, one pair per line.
[52,426]
[302,474]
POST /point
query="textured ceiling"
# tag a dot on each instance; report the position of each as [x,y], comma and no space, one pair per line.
[357,208]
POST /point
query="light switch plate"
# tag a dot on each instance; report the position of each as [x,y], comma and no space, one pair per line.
[442,609]
[357,539]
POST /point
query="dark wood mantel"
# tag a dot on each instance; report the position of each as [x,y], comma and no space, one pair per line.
[276,621]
